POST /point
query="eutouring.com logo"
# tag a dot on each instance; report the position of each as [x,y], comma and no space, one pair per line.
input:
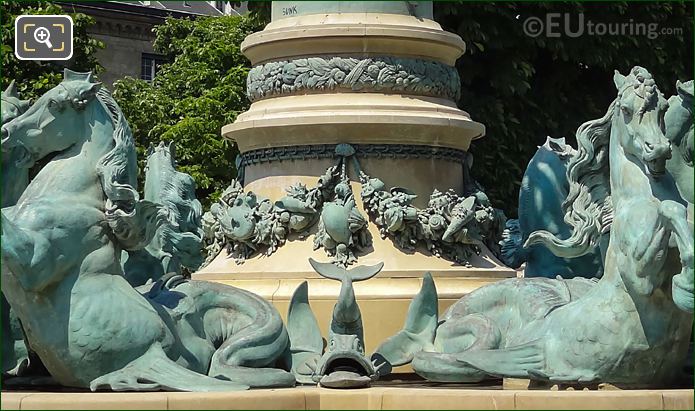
[576,25]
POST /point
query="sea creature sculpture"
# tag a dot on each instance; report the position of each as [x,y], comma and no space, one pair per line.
[15,173]
[61,247]
[344,363]
[15,178]
[544,188]
[177,243]
[451,226]
[679,131]
[244,224]
[633,325]
[342,228]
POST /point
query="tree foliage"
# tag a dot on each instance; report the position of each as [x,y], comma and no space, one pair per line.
[193,96]
[36,77]
[524,88]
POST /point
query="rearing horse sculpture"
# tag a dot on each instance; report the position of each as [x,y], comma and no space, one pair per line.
[14,181]
[61,271]
[630,327]
[177,243]
[679,131]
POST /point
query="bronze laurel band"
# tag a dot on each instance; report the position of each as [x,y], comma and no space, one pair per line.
[318,151]
[376,74]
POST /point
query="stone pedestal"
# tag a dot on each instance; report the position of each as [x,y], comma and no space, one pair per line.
[376,75]
[413,396]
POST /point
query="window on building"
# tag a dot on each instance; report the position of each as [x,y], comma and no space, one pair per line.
[149,65]
[186,4]
[219,5]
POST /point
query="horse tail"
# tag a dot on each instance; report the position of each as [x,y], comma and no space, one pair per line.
[261,341]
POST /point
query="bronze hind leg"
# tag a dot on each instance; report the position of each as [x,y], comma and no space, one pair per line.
[468,334]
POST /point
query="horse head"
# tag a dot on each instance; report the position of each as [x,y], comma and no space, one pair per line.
[14,179]
[54,123]
[181,234]
[638,120]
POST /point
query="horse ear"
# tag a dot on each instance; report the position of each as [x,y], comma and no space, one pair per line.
[90,91]
[172,150]
[11,90]
[150,150]
[618,79]
[685,89]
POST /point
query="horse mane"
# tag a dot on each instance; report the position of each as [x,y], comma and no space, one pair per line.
[190,209]
[129,218]
[588,207]
[181,233]
[687,138]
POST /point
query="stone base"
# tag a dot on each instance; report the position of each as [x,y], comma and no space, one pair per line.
[387,397]
[383,300]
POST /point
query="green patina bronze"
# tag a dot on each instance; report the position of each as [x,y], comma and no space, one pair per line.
[544,189]
[177,243]
[376,74]
[244,224]
[679,131]
[631,326]
[542,206]
[61,271]
[15,175]
[452,226]
[14,180]
[342,229]
[344,363]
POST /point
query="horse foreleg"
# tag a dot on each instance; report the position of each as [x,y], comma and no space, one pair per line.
[26,256]
[155,371]
[683,283]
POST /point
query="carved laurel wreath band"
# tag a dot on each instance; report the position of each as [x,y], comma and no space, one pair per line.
[376,74]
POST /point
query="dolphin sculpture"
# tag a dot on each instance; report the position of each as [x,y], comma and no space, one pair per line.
[344,364]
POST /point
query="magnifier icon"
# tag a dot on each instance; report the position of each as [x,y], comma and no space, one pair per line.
[42,35]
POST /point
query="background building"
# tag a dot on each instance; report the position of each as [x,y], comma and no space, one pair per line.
[125,27]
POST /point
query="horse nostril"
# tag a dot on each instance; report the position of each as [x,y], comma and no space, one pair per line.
[5,133]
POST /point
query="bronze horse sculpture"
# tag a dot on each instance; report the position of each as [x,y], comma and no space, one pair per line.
[633,325]
[61,271]
[15,178]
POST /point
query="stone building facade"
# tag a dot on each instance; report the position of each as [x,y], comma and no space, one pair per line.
[125,27]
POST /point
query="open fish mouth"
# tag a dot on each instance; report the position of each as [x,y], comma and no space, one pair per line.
[347,370]
[345,373]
